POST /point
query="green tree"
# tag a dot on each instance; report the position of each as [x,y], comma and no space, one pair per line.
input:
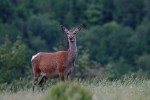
[93,14]
[143,62]
[129,12]
[45,33]
[118,69]
[12,60]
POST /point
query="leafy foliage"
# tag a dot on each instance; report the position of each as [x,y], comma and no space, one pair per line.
[117,35]
[68,91]
[12,60]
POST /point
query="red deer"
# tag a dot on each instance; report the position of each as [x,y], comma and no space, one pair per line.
[58,64]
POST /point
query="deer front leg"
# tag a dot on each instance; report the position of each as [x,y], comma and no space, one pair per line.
[68,73]
[69,77]
[61,76]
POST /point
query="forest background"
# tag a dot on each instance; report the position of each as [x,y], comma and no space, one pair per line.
[114,43]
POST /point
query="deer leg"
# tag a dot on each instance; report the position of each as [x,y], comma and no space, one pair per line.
[42,82]
[35,80]
[61,76]
[68,74]
[69,77]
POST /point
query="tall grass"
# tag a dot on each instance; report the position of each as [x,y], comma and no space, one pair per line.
[128,89]
[125,89]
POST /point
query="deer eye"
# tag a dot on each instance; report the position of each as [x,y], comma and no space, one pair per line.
[67,33]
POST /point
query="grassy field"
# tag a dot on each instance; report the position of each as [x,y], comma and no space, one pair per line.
[128,89]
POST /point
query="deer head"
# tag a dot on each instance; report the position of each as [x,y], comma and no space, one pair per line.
[71,34]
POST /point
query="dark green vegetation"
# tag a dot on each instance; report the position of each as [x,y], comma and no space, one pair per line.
[68,91]
[115,41]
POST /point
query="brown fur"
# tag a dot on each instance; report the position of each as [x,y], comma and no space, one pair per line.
[50,64]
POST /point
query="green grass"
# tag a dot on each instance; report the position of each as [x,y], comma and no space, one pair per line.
[127,89]
[117,90]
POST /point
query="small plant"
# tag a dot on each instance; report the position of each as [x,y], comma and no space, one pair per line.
[68,91]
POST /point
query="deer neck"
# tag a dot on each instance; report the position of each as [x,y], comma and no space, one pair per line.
[72,53]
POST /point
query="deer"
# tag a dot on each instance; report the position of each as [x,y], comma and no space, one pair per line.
[58,64]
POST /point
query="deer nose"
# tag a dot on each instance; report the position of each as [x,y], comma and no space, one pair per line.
[71,37]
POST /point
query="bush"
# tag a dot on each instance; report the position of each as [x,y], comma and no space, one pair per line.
[12,60]
[68,91]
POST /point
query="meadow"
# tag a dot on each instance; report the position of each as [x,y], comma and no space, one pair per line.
[126,89]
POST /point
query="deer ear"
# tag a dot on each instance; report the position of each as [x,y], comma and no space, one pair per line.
[79,28]
[64,29]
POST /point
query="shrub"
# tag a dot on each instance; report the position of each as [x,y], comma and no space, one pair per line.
[68,91]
